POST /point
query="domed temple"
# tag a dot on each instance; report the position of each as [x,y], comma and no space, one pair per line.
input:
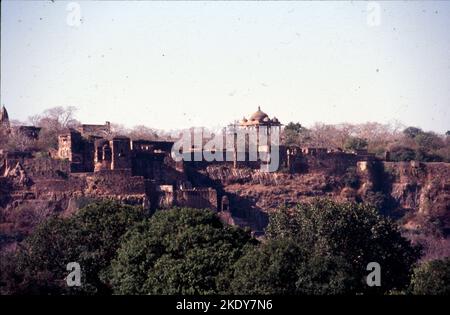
[261,124]
[259,118]
[254,138]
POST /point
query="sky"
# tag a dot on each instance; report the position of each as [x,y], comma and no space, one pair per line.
[171,65]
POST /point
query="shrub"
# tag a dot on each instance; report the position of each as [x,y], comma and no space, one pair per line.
[432,278]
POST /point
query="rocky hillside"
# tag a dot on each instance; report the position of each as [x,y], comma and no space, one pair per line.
[416,195]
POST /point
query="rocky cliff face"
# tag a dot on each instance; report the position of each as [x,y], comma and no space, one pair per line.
[416,195]
[420,190]
[31,190]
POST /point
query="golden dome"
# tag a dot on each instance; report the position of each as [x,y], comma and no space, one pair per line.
[259,115]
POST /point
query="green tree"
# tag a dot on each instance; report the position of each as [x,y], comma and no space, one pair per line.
[90,237]
[178,251]
[295,134]
[38,267]
[355,143]
[352,235]
[282,266]
[425,155]
[427,146]
[102,225]
[429,141]
[296,127]
[412,132]
[432,278]
[400,153]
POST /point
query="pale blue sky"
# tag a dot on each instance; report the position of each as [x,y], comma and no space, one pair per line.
[178,64]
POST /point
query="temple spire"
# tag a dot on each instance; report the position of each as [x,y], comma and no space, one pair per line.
[4,119]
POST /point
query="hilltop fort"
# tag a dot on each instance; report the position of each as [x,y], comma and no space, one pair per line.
[92,163]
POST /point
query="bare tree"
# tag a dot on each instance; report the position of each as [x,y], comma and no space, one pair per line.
[56,118]
[117,130]
[18,141]
[53,121]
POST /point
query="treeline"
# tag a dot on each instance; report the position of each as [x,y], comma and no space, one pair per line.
[316,248]
[57,120]
[403,144]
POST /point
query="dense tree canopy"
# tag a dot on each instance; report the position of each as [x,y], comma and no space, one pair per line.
[295,134]
[39,267]
[178,251]
[90,237]
[432,278]
[400,153]
[283,266]
[412,132]
[352,235]
[355,143]
[321,247]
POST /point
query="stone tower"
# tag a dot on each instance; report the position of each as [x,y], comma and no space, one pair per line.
[4,119]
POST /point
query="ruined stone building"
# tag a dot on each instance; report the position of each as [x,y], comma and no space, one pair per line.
[120,163]
[116,161]
[95,130]
[30,132]
[92,163]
